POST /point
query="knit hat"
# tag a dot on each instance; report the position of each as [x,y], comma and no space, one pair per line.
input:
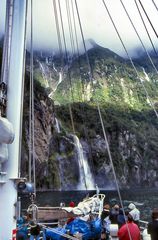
[71,204]
[131,206]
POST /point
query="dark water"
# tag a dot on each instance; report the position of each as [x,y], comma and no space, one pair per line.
[145,199]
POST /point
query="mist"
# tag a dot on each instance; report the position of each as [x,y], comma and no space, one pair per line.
[95,22]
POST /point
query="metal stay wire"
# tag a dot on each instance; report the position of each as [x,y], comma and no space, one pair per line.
[152,44]
[139,77]
[102,124]
[31,117]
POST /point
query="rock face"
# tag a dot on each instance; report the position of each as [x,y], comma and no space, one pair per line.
[130,125]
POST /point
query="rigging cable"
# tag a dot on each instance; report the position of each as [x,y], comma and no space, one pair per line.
[148,18]
[65,46]
[146,28]
[88,63]
[70,27]
[100,115]
[83,90]
[58,32]
[155,5]
[143,87]
[69,77]
[77,50]
[72,35]
[32,128]
[151,61]
[63,32]
[82,97]
[84,44]
[73,48]
[139,77]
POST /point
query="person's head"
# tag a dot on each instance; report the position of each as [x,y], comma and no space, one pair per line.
[116,207]
[106,206]
[71,204]
[131,206]
[155,213]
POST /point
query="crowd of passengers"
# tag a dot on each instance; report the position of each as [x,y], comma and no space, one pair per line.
[127,221]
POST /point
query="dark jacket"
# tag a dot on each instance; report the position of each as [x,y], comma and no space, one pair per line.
[153,229]
[35,230]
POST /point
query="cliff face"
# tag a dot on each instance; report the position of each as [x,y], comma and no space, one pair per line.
[130,123]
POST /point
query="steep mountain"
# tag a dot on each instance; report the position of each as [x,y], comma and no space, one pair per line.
[112,86]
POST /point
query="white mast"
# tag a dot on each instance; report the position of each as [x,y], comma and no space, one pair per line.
[8,192]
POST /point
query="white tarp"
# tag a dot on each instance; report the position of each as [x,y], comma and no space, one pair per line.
[90,205]
[6,131]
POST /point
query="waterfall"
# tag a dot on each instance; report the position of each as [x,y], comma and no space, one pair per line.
[55,88]
[86,177]
[57,125]
[44,73]
[146,75]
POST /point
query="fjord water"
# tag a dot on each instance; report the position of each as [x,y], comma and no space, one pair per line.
[145,199]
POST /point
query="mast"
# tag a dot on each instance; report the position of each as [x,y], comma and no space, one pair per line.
[15,82]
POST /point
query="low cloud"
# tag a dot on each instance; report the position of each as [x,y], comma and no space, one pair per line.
[96,24]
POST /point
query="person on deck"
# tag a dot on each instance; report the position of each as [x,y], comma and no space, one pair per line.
[129,230]
[153,225]
[134,212]
[114,214]
[70,219]
[22,228]
[121,218]
[105,222]
[34,231]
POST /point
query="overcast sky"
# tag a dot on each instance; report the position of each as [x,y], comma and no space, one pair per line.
[95,21]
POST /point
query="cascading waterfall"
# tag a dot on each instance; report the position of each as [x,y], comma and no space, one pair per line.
[146,75]
[86,177]
[59,81]
[44,73]
[57,125]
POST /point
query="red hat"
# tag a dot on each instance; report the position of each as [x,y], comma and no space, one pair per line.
[71,204]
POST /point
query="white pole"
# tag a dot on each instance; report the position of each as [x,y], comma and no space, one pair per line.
[8,192]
